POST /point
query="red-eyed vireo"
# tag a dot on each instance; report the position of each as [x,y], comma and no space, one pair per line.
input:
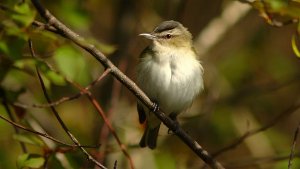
[169,73]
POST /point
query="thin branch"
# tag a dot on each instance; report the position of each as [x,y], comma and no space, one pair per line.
[16,125]
[96,105]
[41,25]
[7,109]
[104,133]
[63,99]
[65,128]
[107,122]
[69,34]
[267,16]
[292,154]
[250,133]
[248,163]
[94,102]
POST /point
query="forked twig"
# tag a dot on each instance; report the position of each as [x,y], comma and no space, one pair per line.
[69,34]
[65,128]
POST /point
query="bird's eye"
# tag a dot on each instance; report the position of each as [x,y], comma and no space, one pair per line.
[168,36]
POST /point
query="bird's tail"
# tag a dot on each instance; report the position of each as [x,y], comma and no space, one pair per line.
[150,137]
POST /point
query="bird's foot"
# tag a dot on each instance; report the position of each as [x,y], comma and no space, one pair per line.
[155,107]
[176,123]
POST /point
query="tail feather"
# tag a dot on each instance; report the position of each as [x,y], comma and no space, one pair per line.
[150,137]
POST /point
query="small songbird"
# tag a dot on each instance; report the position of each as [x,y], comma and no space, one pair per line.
[169,73]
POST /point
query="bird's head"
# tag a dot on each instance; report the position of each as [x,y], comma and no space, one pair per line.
[170,33]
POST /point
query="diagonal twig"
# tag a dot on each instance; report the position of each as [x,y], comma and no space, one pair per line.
[250,133]
[69,34]
[63,99]
[65,128]
[41,134]
[292,154]
[85,91]
[12,119]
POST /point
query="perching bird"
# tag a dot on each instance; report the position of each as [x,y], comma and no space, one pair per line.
[169,73]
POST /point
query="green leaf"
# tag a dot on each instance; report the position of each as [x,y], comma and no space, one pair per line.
[30,160]
[24,15]
[29,139]
[72,64]
[105,48]
[3,47]
[55,78]
[294,46]
[12,47]
[73,14]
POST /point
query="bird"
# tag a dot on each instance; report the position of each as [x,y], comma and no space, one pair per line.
[170,75]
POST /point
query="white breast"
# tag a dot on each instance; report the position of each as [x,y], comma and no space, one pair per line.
[173,79]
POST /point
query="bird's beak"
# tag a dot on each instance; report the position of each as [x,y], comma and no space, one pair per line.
[148,36]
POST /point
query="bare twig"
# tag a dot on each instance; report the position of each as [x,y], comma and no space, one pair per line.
[115,164]
[94,102]
[16,125]
[69,34]
[106,120]
[7,109]
[58,117]
[104,133]
[63,99]
[267,16]
[250,133]
[292,154]
[248,163]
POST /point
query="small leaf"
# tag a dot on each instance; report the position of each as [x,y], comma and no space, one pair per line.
[24,15]
[3,47]
[72,64]
[30,160]
[55,78]
[294,46]
[29,139]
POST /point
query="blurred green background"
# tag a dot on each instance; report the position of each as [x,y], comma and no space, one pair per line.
[251,76]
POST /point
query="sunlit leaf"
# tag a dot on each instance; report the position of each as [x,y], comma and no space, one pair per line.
[30,160]
[105,48]
[72,64]
[3,47]
[24,15]
[73,14]
[29,139]
[294,46]
[55,78]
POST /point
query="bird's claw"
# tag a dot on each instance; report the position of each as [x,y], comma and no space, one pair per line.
[155,107]
[176,127]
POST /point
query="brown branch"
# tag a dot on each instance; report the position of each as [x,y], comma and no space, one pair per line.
[267,16]
[104,133]
[107,122]
[10,115]
[248,163]
[63,99]
[16,125]
[292,154]
[69,34]
[250,133]
[65,128]
[94,102]
[41,25]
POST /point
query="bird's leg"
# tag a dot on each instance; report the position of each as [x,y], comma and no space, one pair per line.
[173,116]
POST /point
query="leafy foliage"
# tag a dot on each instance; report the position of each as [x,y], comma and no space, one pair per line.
[250,78]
